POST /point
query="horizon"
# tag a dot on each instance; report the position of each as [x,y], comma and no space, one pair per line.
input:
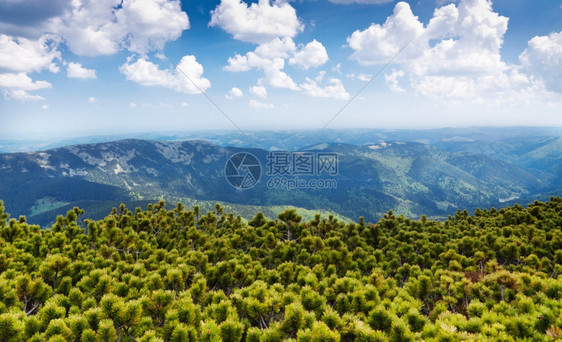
[248,138]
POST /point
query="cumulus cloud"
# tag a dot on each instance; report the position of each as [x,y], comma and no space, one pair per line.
[21,54]
[543,59]
[263,59]
[92,99]
[88,27]
[257,104]
[234,92]
[102,27]
[313,54]
[276,48]
[456,56]
[21,81]
[75,70]
[21,95]
[333,89]
[378,43]
[277,78]
[272,26]
[157,20]
[258,23]
[265,54]
[187,77]
[259,91]
[17,85]
[392,80]
[97,27]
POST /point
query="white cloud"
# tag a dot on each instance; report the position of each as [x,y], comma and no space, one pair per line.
[392,80]
[234,92]
[313,54]
[92,99]
[378,43]
[272,68]
[278,78]
[20,54]
[45,107]
[262,57]
[446,87]
[16,86]
[157,20]
[259,91]
[457,56]
[543,59]
[333,89]
[276,48]
[181,79]
[360,77]
[91,28]
[258,23]
[21,81]
[238,63]
[272,26]
[102,27]
[75,70]
[132,105]
[185,104]
[21,95]
[257,104]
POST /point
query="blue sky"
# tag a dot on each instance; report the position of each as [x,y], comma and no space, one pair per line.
[85,67]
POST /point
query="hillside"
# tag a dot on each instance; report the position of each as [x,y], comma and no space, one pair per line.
[178,274]
[411,178]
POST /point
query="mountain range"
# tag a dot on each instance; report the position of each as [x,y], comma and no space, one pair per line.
[435,178]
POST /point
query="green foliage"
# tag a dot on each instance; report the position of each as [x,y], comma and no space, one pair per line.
[106,331]
[11,327]
[231,330]
[157,276]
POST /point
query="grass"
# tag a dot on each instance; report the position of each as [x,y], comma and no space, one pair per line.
[46,204]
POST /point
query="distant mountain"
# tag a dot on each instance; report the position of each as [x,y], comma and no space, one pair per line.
[492,138]
[407,177]
[540,155]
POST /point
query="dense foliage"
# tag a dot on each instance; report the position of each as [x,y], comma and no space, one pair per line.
[180,275]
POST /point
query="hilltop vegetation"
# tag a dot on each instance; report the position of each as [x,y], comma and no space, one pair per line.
[181,275]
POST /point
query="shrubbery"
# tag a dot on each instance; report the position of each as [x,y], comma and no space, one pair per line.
[174,275]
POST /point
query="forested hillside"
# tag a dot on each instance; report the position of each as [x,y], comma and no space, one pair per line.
[176,274]
[412,178]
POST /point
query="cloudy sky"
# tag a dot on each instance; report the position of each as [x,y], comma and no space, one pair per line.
[85,67]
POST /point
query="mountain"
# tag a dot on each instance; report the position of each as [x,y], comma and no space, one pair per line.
[410,178]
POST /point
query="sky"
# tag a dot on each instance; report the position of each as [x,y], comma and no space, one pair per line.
[71,68]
